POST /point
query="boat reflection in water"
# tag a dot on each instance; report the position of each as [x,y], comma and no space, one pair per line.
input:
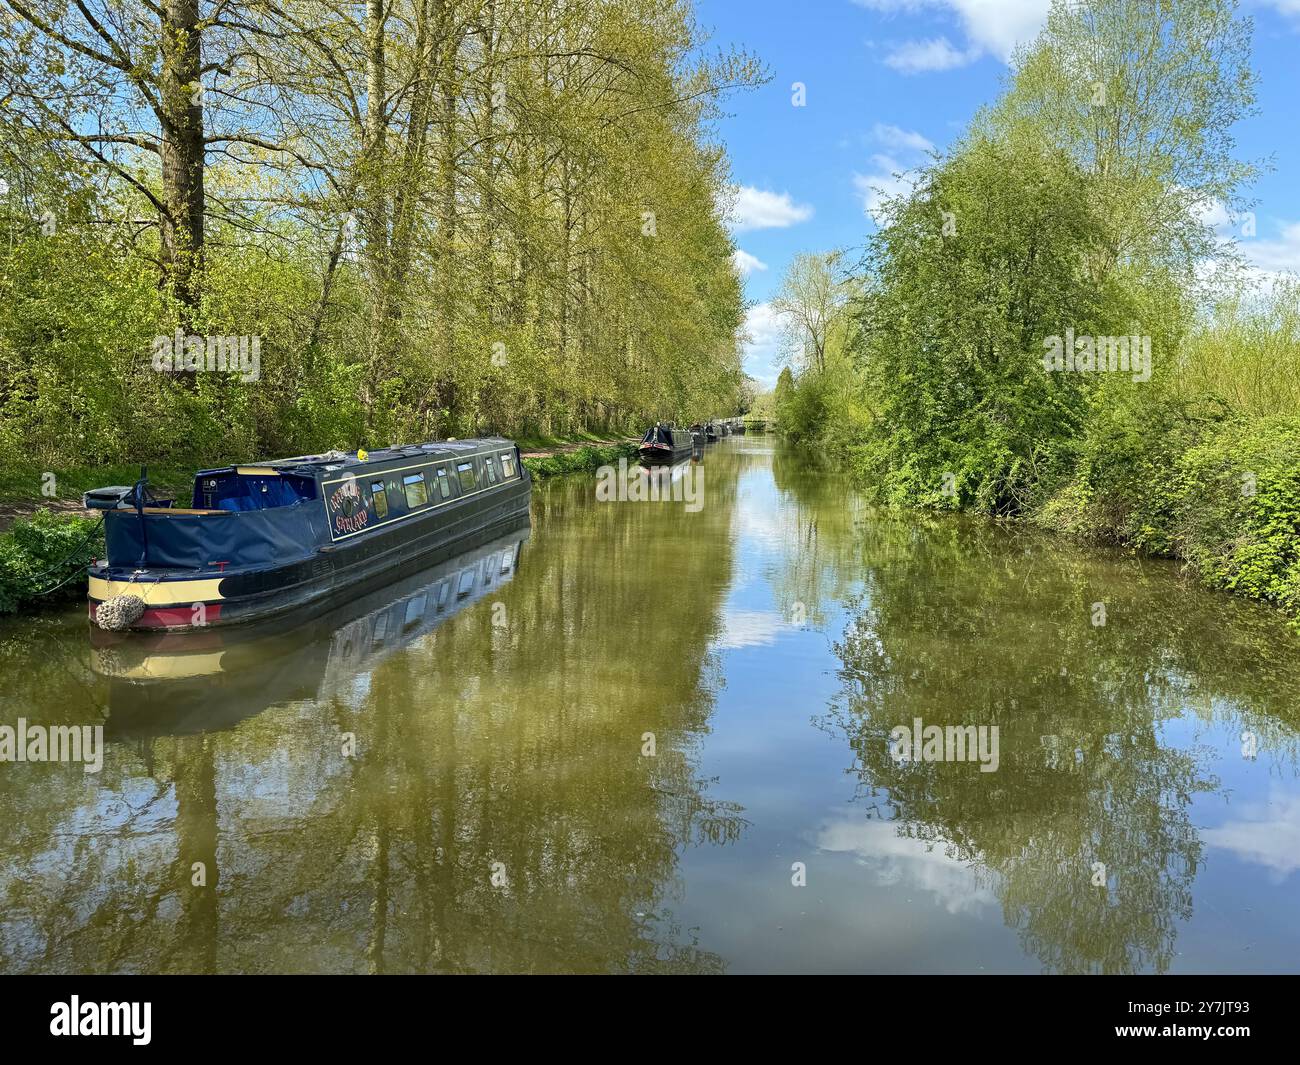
[201,681]
[682,482]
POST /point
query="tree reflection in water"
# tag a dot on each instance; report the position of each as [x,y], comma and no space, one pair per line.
[960,622]
[507,737]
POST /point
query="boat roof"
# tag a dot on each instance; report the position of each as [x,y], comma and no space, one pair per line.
[332,461]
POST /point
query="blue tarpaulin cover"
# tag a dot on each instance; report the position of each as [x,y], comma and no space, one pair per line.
[197,541]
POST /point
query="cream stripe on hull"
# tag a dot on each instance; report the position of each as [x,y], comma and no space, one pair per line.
[159,593]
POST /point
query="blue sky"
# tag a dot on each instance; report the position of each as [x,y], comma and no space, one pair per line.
[886,79]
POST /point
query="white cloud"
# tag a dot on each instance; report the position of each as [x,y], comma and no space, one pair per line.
[1267,259]
[1213,213]
[937,54]
[992,27]
[763,347]
[998,26]
[746,264]
[763,323]
[894,173]
[905,139]
[1284,7]
[889,179]
[1267,834]
[749,628]
[760,209]
[1282,254]
[899,859]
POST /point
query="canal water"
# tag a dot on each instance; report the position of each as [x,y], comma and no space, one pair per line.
[659,736]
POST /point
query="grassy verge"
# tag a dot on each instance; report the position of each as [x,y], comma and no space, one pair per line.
[564,443]
[24,492]
[580,460]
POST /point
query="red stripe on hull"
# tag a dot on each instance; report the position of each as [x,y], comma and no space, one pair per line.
[171,617]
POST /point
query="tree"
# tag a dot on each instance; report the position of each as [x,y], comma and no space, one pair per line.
[955,317]
[442,217]
[119,86]
[812,303]
[1143,97]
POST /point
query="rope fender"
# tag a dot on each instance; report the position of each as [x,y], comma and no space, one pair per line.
[119,613]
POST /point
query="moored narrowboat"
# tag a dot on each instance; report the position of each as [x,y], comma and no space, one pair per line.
[663,443]
[711,432]
[274,537]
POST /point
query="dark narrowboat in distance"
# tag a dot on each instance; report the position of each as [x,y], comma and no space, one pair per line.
[273,537]
[663,443]
[711,432]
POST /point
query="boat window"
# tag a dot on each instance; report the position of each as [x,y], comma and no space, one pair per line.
[444,594]
[380,499]
[416,494]
[507,465]
[444,484]
[415,611]
[466,582]
[468,480]
[491,470]
[250,488]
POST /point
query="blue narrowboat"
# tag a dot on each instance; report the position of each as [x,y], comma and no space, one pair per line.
[275,537]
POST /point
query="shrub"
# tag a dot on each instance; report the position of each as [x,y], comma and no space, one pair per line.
[45,552]
[1239,514]
[1126,487]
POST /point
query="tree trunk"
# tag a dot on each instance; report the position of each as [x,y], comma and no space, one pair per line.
[182,153]
[375,198]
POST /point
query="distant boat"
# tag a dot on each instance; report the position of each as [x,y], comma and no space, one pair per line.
[711,432]
[272,538]
[665,444]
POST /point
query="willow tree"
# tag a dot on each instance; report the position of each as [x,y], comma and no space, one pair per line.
[953,326]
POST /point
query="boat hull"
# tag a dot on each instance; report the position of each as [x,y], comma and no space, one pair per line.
[663,454]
